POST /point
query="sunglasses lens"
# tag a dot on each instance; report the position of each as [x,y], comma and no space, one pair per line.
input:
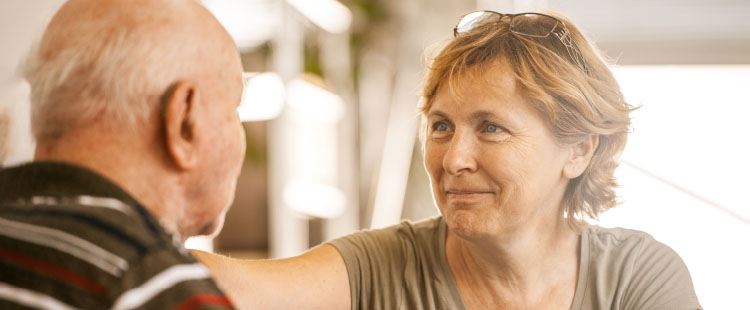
[475,19]
[534,25]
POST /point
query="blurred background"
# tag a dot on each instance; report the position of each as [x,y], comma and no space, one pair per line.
[330,115]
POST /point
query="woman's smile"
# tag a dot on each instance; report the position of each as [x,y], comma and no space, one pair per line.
[467,196]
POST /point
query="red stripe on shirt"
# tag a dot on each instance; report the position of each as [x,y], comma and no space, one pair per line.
[46,267]
[199,300]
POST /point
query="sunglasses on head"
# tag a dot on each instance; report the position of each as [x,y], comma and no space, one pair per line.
[535,25]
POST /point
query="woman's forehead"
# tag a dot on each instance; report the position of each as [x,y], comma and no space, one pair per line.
[478,84]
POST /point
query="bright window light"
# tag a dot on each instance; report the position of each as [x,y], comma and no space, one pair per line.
[313,102]
[262,98]
[314,199]
[330,15]
[685,172]
[14,103]
[314,114]
[201,243]
[249,22]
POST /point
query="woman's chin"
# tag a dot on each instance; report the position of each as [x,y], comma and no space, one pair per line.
[469,224]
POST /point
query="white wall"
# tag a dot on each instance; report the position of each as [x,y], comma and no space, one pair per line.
[21,24]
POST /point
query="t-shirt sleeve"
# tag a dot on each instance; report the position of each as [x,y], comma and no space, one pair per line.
[660,280]
[374,260]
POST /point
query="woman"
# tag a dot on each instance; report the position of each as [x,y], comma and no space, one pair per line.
[522,126]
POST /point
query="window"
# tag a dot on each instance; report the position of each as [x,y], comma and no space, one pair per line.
[685,174]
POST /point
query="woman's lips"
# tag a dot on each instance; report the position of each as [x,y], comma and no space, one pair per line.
[464,196]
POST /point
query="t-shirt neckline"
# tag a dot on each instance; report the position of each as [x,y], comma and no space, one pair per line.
[583,266]
[583,271]
[453,287]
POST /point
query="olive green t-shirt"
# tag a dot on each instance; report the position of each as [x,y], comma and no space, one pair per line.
[404,267]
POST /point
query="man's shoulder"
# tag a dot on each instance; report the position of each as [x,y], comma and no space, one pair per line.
[62,199]
[95,252]
[69,245]
[57,178]
[101,232]
[105,222]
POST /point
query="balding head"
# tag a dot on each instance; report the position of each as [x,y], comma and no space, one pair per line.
[110,60]
[145,93]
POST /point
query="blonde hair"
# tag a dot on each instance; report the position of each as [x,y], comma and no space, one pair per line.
[575,100]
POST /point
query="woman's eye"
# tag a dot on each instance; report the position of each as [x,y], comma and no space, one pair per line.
[492,128]
[440,130]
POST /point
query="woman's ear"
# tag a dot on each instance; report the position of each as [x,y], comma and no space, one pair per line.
[580,156]
[180,130]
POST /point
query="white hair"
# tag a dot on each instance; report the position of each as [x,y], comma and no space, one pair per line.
[99,69]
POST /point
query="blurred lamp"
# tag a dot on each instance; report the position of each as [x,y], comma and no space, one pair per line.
[314,114]
[249,22]
[262,98]
[314,199]
[313,102]
[330,15]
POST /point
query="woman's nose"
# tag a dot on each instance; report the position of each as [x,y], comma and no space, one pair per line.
[460,155]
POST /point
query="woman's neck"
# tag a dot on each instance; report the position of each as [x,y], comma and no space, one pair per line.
[535,263]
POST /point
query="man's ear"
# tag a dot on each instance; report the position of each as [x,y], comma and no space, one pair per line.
[179,125]
[580,156]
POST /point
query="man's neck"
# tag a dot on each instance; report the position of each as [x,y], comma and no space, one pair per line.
[126,163]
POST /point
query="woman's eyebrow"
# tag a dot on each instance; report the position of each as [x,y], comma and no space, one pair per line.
[437,113]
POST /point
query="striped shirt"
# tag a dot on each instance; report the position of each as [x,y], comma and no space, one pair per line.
[71,239]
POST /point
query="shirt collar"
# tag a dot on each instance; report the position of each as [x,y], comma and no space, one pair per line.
[58,179]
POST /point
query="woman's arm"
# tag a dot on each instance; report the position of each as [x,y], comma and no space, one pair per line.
[317,279]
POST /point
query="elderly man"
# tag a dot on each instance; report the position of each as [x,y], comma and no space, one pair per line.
[138,147]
